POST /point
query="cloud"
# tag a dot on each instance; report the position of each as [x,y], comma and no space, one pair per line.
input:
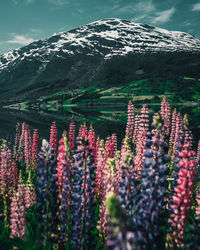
[144,10]
[16,2]
[196,7]
[163,16]
[35,31]
[186,23]
[20,39]
[139,18]
[143,6]
[58,3]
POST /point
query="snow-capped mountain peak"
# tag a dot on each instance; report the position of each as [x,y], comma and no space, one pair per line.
[106,38]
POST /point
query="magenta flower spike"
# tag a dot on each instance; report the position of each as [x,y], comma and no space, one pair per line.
[17,138]
[22,143]
[140,150]
[198,201]
[100,171]
[136,128]
[22,137]
[179,125]
[166,115]
[114,141]
[72,136]
[14,173]
[183,192]
[130,120]
[35,146]
[6,170]
[54,137]
[96,150]
[198,151]
[29,193]
[17,215]
[28,148]
[92,140]
[144,118]
[109,147]
[83,131]
[61,162]
[109,184]
[173,127]
[125,149]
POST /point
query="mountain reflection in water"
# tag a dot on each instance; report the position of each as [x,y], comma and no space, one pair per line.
[105,120]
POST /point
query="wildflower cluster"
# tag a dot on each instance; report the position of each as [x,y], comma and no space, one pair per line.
[85,192]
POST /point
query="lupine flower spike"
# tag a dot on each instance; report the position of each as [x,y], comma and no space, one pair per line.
[53,142]
[46,191]
[130,121]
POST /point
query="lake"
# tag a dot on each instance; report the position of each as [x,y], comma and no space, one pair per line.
[105,119]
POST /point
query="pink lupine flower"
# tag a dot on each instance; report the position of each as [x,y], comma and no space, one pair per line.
[179,126]
[109,185]
[92,140]
[17,215]
[198,201]
[173,127]
[54,137]
[188,137]
[72,136]
[103,221]
[29,193]
[140,149]
[109,147]
[61,162]
[14,173]
[136,128]
[28,148]
[198,151]
[35,147]
[130,120]
[6,173]
[166,115]
[114,141]
[144,118]
[83,131]
[125,149]
[17,138]
[188,133]
[100,170]
[96,151]
[182,197]
[22,137]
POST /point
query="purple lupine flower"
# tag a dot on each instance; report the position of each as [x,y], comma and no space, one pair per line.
[149,210]
[82,196]
[46,195]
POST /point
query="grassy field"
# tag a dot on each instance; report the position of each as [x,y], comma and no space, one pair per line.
[183,90]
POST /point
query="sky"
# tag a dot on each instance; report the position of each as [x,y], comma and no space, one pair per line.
[23,21]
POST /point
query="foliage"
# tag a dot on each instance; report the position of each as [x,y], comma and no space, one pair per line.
[88,193]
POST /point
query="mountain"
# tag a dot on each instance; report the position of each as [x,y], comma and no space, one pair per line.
[111,51]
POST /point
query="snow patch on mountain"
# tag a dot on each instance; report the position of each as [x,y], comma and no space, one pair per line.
[106,38]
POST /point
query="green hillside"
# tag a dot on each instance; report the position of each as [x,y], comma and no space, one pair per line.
[184,90]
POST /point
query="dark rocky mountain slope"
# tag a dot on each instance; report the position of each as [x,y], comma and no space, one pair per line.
[111,51]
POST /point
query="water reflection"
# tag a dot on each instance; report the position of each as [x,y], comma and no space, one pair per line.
[106,119]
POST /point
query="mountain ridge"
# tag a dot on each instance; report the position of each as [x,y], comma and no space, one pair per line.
[106,50]
[174,40]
